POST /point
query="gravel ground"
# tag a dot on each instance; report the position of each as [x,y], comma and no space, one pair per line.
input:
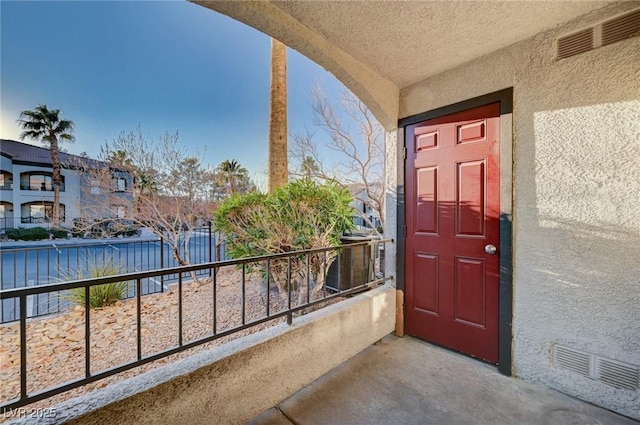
[56,344]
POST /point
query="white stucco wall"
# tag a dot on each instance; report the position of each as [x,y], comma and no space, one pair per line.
[70,197]
[7,166]
[5,163]
[576,151]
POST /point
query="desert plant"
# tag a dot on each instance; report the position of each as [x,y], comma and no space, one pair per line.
[298,216]
[99,295]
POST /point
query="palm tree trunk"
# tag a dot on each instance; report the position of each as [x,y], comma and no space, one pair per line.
[232,183]
[57,179]
[278,164]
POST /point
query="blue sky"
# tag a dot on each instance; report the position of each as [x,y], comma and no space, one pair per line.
[166,65]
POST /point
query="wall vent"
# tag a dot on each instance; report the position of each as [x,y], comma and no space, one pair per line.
[617,374]
[605,33]
[575,43]
[610,372]
[573,360]
[620,28]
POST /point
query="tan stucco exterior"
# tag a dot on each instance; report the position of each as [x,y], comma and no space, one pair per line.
[576,199]
[570,167]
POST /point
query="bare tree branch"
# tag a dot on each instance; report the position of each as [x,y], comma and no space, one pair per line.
[360,167]
[170,189]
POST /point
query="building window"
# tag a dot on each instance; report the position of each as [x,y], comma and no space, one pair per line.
[95,187]
[40,212]
[120,211]
[39,181]
[6,215]
[6,181]
[120,184]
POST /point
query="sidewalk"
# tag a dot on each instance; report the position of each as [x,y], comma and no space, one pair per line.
[146,236]
[405,381]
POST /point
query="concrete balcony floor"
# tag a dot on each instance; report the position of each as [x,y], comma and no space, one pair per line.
[407,381]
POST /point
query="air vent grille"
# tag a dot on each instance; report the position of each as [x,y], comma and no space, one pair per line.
[620,28]
[617,374]
[610,372]
[575,43]
[608,32]
[573,360]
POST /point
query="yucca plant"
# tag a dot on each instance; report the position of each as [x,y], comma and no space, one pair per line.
[99,295]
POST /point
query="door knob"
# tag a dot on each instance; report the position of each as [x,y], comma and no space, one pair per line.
[490,249]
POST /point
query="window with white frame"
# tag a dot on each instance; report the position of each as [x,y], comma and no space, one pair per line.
[119,184]
[95,187]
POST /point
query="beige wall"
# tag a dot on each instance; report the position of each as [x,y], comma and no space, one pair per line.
[232,383]
[576,151]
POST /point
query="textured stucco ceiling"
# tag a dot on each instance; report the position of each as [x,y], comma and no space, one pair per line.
[407,41]
[377,48]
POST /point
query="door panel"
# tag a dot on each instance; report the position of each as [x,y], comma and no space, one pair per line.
[426,295]
[470,188]
[426,213]
[453,205]
[470,289]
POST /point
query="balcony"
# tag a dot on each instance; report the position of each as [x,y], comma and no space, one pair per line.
[335,365]
[6,186]
[407,381]
[38,220]
[42,187]
[299,329]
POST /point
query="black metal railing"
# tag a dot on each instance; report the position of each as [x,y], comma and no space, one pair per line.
[38,220]
[33,266]
[27,221]
[318,260]
[6,186]
[42,187]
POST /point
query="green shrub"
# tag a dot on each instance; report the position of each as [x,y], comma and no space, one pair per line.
[13,234]
[99,295]
[298,216]
[59,233]
[30,234]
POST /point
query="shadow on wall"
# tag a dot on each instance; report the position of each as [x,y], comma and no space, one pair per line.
[578,231]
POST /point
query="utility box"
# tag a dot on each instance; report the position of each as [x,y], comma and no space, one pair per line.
[353,267]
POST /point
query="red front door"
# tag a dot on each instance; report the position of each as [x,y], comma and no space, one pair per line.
[452,191]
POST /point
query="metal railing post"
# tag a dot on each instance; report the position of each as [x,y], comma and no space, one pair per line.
[289,313]
[210,246]
[162,264]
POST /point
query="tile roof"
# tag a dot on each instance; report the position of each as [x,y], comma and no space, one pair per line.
[31,154]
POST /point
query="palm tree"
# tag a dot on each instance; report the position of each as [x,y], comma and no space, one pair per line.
[44,124]
[309,167]
[120,159]
[278,164]
[231,172]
